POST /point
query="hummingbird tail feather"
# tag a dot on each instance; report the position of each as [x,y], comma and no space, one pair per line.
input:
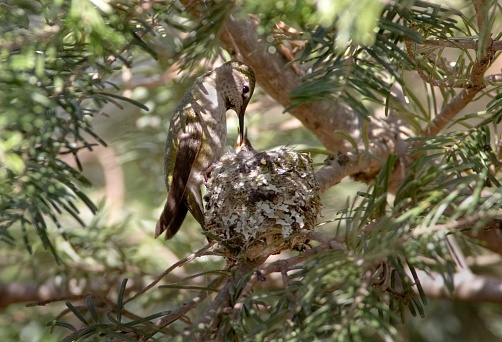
[176,208]
[170,220]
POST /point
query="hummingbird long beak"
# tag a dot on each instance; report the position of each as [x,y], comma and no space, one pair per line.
[240,133]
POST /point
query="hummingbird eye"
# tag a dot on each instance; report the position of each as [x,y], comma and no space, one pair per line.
[245,89]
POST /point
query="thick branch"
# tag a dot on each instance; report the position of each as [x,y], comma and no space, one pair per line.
[449,111]
[336,168]
[468,287]
[45,293]
[463,98]
[323,118]
[212,316]
[12,293]
[278,80]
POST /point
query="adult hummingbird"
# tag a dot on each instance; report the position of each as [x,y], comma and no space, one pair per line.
[196,139]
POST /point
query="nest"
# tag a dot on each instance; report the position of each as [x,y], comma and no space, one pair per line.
[257,202]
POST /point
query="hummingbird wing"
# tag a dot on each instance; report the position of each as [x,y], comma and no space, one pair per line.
[176,207]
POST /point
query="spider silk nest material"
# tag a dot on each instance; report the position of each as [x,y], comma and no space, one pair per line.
[257,202]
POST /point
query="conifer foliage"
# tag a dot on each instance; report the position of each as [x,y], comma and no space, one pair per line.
[400,100]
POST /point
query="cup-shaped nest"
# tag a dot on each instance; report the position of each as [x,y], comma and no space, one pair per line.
[257,202]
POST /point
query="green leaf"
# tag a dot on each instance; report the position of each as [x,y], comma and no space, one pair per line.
[62,324]
[76,312]
[120,299]
[91,309]
[123,98]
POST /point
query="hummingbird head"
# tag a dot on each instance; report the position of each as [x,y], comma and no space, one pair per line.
[235,82]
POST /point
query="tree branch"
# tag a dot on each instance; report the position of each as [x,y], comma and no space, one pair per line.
[276,76]
[465,96]
[176,314]
[485,52]
[282,265]
[42,294]
[336,168]
[278,79]
[469,45]
[203,251]
[489,236]
[469,287]
[211,318]
[12,293]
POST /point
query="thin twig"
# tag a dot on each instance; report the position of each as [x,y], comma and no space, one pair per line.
[479,67]
[427,78]
[466,45]
[58,299]
[201,252]
[173,316]
[326,243]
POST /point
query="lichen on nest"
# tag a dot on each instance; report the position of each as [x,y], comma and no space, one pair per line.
[257,201]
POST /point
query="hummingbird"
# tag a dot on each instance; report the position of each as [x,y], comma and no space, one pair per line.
[196,139]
